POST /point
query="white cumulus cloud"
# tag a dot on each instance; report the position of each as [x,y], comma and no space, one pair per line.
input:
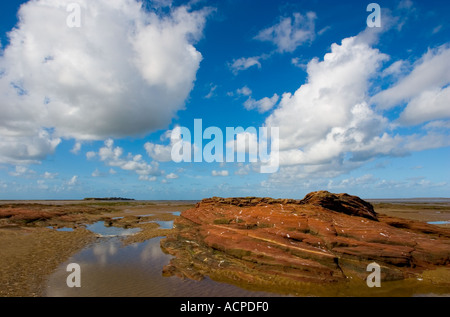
[244,63]
[332,125]
[73,181]
[113,156]
[331,104]
[219,173]
[262,105]
[48,175]
[245,91]
[430,73]
[125,71]
[161,152]
[172,176]
[290,32]
[21,171]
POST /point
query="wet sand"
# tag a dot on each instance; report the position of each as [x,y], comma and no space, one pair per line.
[426,210]
[28,255]
[31,248]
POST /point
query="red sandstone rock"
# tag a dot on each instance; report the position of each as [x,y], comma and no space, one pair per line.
[323,238]
[345,203]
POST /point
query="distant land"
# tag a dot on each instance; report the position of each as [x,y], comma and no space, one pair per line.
[107,198]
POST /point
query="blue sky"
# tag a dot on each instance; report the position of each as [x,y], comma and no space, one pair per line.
[88,109]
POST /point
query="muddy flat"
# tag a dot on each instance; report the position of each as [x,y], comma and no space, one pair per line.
[434,210]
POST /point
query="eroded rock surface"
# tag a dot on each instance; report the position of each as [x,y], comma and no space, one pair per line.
[279,243]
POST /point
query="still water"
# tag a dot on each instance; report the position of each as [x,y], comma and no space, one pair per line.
[110,269]
[100,229]
[439,222]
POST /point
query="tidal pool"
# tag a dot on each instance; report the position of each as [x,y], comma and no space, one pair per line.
[99,228]
[108,268]
[61,229]
[165,224]
[439,222]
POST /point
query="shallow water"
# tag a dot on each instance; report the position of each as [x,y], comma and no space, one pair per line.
[439,222]
[62,229]
[110,269]
[165,224]
[100,229]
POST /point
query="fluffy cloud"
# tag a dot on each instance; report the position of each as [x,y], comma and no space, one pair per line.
[21,171]
[159,152]
[73,181]
[405,4]
[329,125]
[90,155]
[245,142]
[211,92]
[369,181]
[41,184]
[244,63]
[297,62]
[125,71]
[96,173]
[428,105]
[286,35]
[243,169]
[262,105]
[24,144]
[48,175]
[438,124]
[425,89]
[290,33]
[337,87]
[113,156]
[219,173]
[428,79]
[163,153]
[162,3]
[245,91]
[396,69]
[76,148]
[148,178]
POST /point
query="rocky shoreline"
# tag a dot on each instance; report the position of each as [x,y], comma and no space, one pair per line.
[280,244]
[316,246]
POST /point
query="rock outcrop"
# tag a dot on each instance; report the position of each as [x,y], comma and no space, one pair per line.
[350,205]
[282,243]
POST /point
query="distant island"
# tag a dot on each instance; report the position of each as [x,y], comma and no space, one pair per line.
[108,198]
